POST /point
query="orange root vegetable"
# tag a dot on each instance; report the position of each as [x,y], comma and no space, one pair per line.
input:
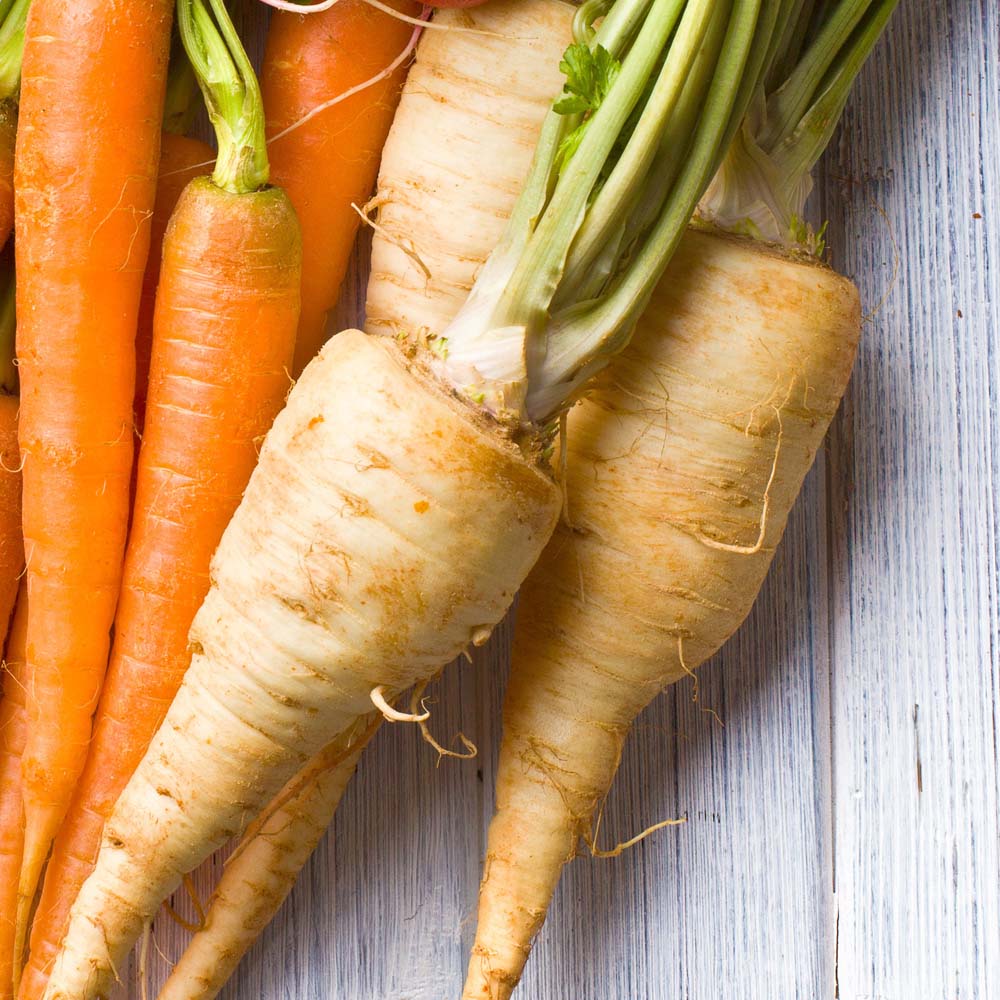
[8,133]
[85,179]
[263,869]
[181,160]
[223,337]
[11,541]
[328,163]
[227,306]
[13,734]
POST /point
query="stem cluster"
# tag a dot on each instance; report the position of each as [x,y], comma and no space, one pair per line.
[617,174]
[765,179]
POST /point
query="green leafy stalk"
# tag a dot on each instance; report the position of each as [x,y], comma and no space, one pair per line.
[653,94]
[763,184]
[13,16]
[231,92]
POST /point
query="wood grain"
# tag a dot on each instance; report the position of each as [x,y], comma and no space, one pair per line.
[843,810]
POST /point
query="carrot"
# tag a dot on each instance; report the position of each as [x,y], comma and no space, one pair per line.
[224,332]
[13,719]
[11,540]
[13,734]
[85,176]
[181,159]
[261,872]
[403,493]
[328,163]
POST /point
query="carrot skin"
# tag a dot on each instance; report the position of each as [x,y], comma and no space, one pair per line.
[331,161]
[181,159]
[224,332]
[13,733]
[85,179]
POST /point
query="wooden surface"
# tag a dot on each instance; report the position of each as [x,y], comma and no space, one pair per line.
[843,834]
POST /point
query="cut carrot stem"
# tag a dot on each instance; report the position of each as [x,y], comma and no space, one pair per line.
[223,336]
[85,178]
[328,163]
[13,733]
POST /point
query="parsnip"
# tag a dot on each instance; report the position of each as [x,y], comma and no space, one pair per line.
[402,495]
[682,463]
[261,872]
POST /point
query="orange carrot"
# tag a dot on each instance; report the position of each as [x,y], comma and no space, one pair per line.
[181,159]
[227,307]
[85,178]
[13,732]
[331,160]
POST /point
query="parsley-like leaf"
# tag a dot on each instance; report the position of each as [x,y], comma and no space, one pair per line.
[590,74]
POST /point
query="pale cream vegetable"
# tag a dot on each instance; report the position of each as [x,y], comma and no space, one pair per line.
[683,462]
[402,495]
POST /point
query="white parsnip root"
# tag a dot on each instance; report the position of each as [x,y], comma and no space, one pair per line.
[261,872]
[386,525]
[682,466]
[713,413]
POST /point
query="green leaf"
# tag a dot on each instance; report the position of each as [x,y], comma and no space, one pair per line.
[590,74]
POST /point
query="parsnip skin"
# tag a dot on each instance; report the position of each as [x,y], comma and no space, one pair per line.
[669,458]
[457,154]
[737,369]
[260,875]
[387,526]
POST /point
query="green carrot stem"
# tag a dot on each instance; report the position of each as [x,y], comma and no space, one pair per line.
[231,92]
[13,15]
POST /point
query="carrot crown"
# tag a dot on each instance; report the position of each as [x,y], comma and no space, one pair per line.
[655,90]
[762,186]
[231,91]
[13,15]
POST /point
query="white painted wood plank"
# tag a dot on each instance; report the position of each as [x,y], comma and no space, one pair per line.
[914,472]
